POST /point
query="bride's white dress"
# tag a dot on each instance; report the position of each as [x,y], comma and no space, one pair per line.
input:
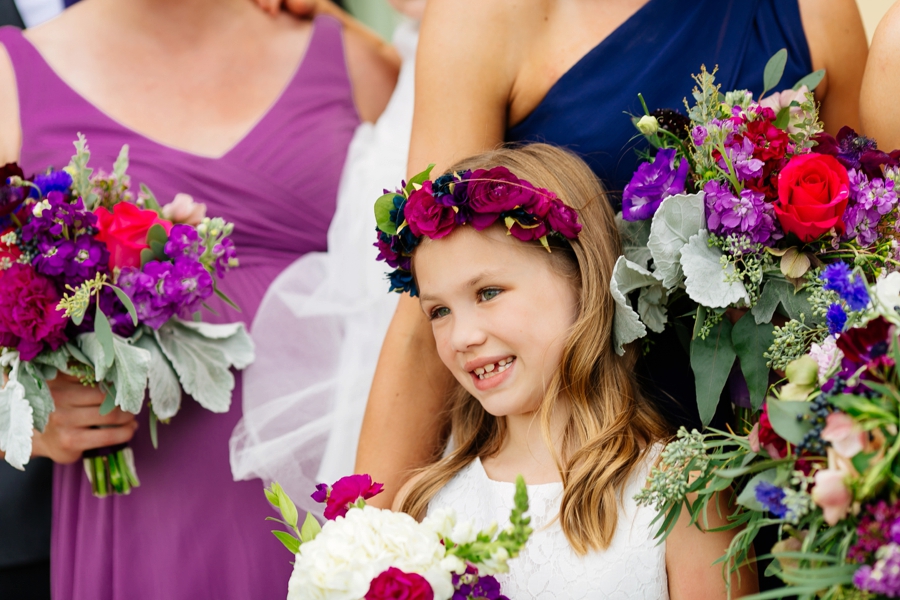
[633,567]
[320,326]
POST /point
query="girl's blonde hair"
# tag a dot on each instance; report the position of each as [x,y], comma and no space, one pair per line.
[610,425]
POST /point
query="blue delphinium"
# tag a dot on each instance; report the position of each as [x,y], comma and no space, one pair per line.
[772,498]
[852,290]
[836,318]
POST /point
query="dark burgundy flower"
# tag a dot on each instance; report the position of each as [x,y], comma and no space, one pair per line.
[346,492]
[11,197]
[427,217]
[394,584]
[854,151]
[865,347]
[564,220]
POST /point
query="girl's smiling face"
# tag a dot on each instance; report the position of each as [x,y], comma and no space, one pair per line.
[500,313]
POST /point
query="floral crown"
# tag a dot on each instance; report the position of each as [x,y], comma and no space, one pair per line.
[478,198]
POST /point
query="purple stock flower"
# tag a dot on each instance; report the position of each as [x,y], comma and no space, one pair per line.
[836,318]
[747,215]
[699,135]
[772,498]
[884,576]
[162,290]
[74,261]
[741,156]
[186,286]
[183,241]
[651,184]
[226,257]
[869,201]
[143,289]
[54,218]
[877,522]
[471,585]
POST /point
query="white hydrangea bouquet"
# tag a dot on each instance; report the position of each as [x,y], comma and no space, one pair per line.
[363,552]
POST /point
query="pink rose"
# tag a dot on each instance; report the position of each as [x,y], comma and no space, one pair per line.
[564,220]
[495,191]
[394,584]
[28,315]
[427,217]
[830,492]
[346,492]
[183,209]
[846,438]
[124,231]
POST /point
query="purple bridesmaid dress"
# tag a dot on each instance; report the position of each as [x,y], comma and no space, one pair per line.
[190,531]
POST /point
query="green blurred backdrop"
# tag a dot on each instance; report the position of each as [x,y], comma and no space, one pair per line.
[377,14]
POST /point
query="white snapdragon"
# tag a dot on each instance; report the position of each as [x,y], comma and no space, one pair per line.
[351,551]
[441,521]
[497,563]
[465,532]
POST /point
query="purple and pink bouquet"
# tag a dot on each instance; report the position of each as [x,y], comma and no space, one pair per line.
[107,287]
[367,553]
[821,465]
[741,204]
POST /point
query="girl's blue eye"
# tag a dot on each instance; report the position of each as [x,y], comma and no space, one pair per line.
[488,294]
[440,311]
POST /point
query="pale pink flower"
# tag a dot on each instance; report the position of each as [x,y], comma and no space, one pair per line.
[779,100]
[827,356]
[753,438]
[845,436]
[183,209]
[830,491]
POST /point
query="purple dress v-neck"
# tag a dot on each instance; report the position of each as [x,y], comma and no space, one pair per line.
[190,531]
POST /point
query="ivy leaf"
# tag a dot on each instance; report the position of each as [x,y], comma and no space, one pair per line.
[811,81]
[711,361]
[16,425]
[774,71]
[165,391]
[779,291]
[677,219]
[706,280]
[750,341]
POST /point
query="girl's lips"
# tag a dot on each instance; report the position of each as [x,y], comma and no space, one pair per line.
[492,382]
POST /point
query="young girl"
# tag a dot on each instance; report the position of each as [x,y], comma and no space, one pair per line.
[542,393]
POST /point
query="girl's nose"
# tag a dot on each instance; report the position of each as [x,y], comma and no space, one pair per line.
[467,333]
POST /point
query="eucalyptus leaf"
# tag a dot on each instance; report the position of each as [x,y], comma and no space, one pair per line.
[676,220]
[383,207]
[751,340]
[126,302]
[811,81]
[711,361]
[103,331]
[37,394]
[747,496]
[783,417]
[201,365]
[783,118]
[129,375]
[706,280]
[635,235]
[165,391]
[774,71]
[16,424]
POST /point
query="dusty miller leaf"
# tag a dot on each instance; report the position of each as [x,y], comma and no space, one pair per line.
[165,391]
[200,363]
[129,375]
[16,425]
[37,394]
[635,235]
[93,350]
[705,278]
[231,338]
[627,276]
[677,219]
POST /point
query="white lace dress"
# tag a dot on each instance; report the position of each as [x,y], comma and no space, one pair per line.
[633,567]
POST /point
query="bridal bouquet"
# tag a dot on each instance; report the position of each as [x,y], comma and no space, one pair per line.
[363,552]
[106,287]
[742,204]
[822,464]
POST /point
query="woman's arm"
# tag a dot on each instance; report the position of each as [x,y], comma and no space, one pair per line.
[881,84]
[691,552]
[837,43]
[463,78]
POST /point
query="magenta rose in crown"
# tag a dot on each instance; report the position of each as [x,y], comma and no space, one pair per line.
[97,283]
[367,553]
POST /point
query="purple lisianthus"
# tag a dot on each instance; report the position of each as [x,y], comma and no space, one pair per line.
[699,135]
[747,215]
[741,156]
[836,318]
[772,498]
[651,184]
[183,241]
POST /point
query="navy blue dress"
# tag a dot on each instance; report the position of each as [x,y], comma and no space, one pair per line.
[654,53]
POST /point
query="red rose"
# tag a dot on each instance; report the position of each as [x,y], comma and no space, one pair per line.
[427,217]
[770,441]
[812,195]
[394,584]
[124,231]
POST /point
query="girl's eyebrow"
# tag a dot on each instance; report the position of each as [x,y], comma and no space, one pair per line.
[469,284]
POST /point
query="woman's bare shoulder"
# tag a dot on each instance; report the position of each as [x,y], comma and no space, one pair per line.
[373,65]
[10,128]
[881,83]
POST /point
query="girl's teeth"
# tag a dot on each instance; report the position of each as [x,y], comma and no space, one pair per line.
[489,368]
[479,371]
[489,371]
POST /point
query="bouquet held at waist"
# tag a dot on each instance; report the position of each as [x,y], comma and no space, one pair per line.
[107,286]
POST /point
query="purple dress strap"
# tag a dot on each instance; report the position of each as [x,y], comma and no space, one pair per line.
[190,531]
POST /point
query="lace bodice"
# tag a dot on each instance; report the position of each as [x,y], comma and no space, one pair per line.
[633,567]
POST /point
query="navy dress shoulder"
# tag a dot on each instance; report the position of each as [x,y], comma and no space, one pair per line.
[654,53]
